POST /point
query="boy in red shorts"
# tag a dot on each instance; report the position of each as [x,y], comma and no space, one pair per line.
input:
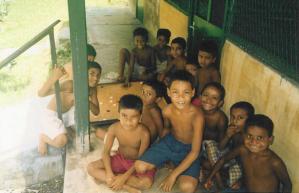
[134,138]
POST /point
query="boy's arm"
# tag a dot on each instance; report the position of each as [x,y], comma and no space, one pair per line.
[157,117]
[215,76]
[222,126]
[227,157]
[131,64]
[93,101]
[166,122]
[283,176]
[231,130]
[47,87]
[106,153]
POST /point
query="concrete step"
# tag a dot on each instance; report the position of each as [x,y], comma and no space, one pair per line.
[29,168]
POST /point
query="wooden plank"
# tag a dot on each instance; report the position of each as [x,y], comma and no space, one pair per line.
[109,95]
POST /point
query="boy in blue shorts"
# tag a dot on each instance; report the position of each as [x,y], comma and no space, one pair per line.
[183,131]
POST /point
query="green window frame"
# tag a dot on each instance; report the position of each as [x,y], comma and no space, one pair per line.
[181,5]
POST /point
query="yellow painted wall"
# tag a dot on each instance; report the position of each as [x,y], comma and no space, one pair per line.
[174,20]
[245,78]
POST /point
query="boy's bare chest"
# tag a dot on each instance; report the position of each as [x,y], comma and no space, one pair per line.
[129,138]
[257,167]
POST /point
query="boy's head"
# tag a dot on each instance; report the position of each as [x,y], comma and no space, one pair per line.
[207,53]
[130,109]
[163,36]
[140,35]
[178,46]
[258,133]
[212,96]
[152,91]
[239,113]
[91,53]
[191,68]
[94,73]
[181,89]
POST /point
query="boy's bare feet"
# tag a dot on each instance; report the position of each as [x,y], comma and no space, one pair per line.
[130,189]
[42,146]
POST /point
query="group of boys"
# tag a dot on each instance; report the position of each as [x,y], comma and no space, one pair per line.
[192,132]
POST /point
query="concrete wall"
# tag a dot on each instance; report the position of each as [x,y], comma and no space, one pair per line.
[245,78]
[132,6]
[151,17]
[174,20]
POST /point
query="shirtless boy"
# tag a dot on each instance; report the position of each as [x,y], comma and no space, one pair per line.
[178,59]
[183,130]
[141,60]
[206,58]
[53,132]
[264,170]
[212,99]
[117,171]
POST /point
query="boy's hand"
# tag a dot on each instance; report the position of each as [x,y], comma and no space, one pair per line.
[109,179]
[118,182]
[168,183]
[231,130]
[208,184]
[58,72]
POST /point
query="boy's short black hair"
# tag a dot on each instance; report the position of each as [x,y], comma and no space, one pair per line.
[181,41]
[130,101]
[261,121]
[159,87]
[209,46]
[94,65]
[140,31]
[181,75]
[91,51]
[164,32]
[245,106]
[216,85]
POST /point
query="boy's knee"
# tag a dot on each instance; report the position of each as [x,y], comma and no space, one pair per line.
[62,140]
[89,168]
[140,167]
[188,186]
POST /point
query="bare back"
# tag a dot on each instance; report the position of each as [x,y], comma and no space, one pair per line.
[66,96]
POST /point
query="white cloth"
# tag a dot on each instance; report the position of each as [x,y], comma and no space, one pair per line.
[50,124]
[161,66]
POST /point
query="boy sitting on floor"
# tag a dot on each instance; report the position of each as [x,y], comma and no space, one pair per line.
[264,170]
[134,138]
[183,130]
[141,60]
[52,128]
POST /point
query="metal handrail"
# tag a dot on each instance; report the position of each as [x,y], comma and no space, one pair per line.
[28,44]
[47,31]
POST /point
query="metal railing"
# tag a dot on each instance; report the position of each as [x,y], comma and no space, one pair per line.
[47,31]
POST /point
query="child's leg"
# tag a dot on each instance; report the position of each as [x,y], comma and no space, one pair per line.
[96,169]
[124,57]
[142,166]
[142,183]
[187,184]
[213,155]
[57,142]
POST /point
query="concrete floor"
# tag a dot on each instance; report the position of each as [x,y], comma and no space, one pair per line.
[109,29]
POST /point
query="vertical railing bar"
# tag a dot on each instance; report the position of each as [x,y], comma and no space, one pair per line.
[54,64]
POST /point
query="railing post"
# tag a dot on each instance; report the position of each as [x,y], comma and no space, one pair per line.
[54,62]
[77,19]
